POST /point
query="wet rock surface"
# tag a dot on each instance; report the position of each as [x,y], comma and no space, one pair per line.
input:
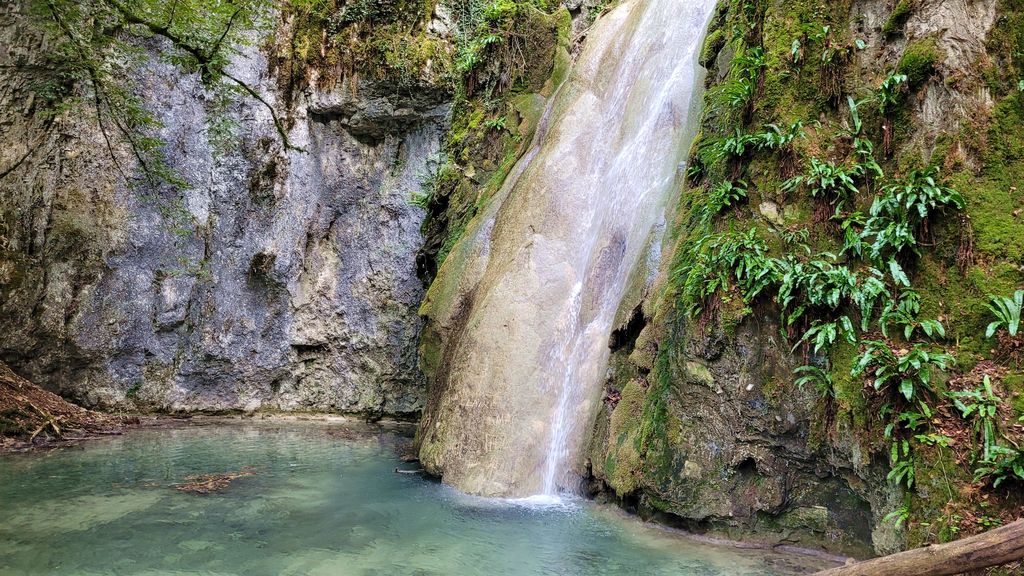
[729,453]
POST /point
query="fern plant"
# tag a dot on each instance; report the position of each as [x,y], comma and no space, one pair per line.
[736,146]
[747,66]
[865,165]
[822,283]
[891,92]
[825,334]
[1007,312]
[898,516]
[722,196]
[718,262]
[856,124]
[824,180]
[1005,464]
[774,137]
[980,406]
[817,377]
[909,372]
[903,313]
[900,452]
[900,209]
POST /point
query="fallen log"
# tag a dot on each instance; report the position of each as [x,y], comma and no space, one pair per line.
[996,547]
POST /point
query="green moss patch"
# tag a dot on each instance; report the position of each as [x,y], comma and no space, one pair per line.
[898,18]
[919,60]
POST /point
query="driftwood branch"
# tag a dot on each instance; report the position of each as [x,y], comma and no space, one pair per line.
[993,548]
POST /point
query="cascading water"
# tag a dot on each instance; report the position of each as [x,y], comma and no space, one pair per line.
[526,302]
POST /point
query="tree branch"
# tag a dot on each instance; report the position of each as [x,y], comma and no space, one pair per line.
[227,29]
[204,61]
[273,113]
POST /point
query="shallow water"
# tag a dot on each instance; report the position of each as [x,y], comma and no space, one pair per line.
[324,499]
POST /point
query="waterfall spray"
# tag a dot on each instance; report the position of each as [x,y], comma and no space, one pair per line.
[529,296]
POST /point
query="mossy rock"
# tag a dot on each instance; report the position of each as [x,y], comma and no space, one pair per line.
[898,18]
[713,44]
[919,60]
[623,466]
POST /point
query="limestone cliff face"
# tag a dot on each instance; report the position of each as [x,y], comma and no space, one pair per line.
[280,279]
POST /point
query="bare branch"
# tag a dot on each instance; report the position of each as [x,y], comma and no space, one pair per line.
[227,29]
[204,61]
[273,113]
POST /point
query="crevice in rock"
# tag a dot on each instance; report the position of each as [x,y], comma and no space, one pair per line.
[748,467]
[435,229]
[624,337]
[311,349]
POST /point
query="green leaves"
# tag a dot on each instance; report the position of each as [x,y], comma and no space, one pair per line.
[897,273]
[738,92]
[824,180]
[1007,312]
[822,283]
[739,143]
[722,196]
[1004,464]
[97,44]
[980,406]
[902,471]
[796,51]
[898,516]
[900,209]
[774,137]
[900,452]
[909,371]
[903,313]
[736,145]
[890,93]
[856,124]
[813,375]
[824,334]
[720,261]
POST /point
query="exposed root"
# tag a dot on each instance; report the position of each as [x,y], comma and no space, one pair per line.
[887,137]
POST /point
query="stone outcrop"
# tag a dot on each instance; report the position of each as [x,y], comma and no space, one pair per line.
[280,279]
[702,425]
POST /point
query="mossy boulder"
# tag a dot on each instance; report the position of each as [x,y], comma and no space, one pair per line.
[919,60]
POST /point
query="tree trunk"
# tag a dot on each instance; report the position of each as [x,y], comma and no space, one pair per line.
[993,548]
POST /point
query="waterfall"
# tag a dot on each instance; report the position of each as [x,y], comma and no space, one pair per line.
[527,300]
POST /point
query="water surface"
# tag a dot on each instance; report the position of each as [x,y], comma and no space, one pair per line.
[324,499]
